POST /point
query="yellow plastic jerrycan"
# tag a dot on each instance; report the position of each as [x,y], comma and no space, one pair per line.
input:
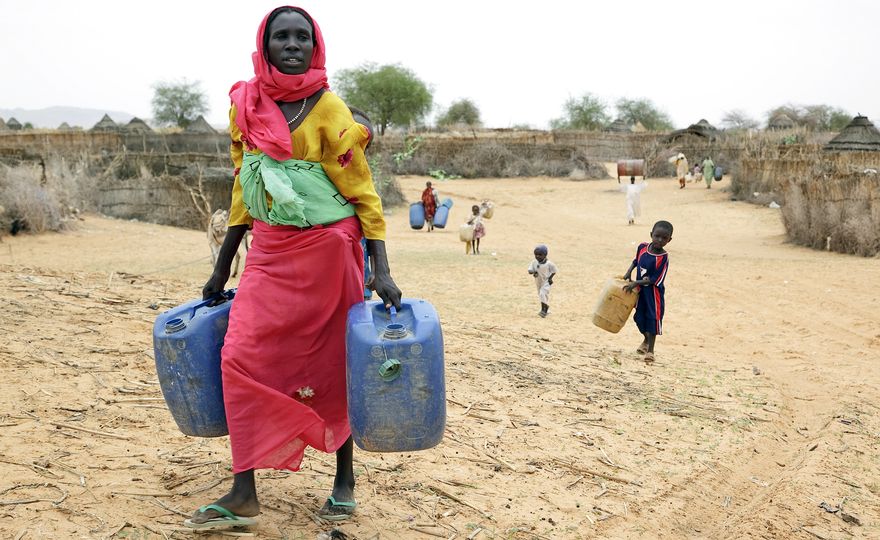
[614,306]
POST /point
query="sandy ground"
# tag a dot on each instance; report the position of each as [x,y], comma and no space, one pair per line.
[762,405]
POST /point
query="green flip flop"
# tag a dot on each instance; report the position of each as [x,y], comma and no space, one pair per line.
[226,520]
[337,510]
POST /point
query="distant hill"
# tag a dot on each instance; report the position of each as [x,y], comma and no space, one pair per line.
[52,117]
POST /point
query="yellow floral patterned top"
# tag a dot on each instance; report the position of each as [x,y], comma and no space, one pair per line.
[329,136]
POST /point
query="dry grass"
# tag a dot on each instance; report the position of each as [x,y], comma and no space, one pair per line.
[33,200]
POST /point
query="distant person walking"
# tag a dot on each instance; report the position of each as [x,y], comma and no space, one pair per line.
[633,199]
[430,202]
[708,171]
[681,170]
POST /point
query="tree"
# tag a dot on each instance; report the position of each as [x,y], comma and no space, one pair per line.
[463,111]
[587,112]
[825,118]
[814,117]
[391,94]
[633,111]
[178,103]
[738,119]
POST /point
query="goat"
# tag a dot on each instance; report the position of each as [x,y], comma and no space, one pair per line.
[217,227]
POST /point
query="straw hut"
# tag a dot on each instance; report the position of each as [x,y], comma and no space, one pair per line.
[199,125]
[64,127]
[13,124]
[136,125]
[105,124]
[2,125]
[618,126]
[859,135]
[781,121]
[701,129]
[639,128]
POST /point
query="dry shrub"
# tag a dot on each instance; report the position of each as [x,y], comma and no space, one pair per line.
[30,202]
[491,160]
[386,183]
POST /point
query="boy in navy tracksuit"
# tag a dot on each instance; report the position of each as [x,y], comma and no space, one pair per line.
[651,263]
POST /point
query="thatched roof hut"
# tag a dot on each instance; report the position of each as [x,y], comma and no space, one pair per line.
[64,127]
[618,126]
[105,124]
[136,125]
[639,128]
[701,129]
[781,121]
[14,124]
[859,135]
[199,125]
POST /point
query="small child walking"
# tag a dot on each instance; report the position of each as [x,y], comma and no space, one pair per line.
[476,221]
[543,270]
[651,263]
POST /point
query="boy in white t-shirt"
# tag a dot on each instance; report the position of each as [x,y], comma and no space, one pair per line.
[543,270]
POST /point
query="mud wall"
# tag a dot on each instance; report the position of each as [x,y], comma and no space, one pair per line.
[171,179]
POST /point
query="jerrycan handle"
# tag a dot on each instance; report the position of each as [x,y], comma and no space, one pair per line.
[390,370]
[216,300]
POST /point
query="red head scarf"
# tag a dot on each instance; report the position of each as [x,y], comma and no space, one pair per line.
[259,118]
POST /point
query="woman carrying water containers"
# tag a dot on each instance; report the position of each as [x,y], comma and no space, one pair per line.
[283,359]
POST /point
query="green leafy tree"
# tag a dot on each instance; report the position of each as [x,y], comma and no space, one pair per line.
[587,112]
[838,120]
[391,94]
[825,118]
[738,119]
[178,103]
[814,117]
[633,111]
[463,111]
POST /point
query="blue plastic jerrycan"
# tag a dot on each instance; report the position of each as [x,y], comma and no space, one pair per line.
[417,215]
[395,380]
[442,214]
[187,342]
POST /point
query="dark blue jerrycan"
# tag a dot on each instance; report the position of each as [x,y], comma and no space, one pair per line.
[417,215]
[396,386]
[187,342]
[442,214]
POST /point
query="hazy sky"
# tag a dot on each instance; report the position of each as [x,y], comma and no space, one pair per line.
[518,61]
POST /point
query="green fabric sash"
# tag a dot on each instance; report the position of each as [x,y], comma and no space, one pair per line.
[302,194]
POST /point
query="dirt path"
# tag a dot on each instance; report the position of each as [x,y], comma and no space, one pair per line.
[763,402]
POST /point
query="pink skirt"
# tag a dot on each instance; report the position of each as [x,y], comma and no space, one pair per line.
[283,358]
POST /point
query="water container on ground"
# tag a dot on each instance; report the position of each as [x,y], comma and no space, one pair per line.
[187,340]
[631,167]
[395,376]
[719,173]
[417,215]
[614,306]
[442,214]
